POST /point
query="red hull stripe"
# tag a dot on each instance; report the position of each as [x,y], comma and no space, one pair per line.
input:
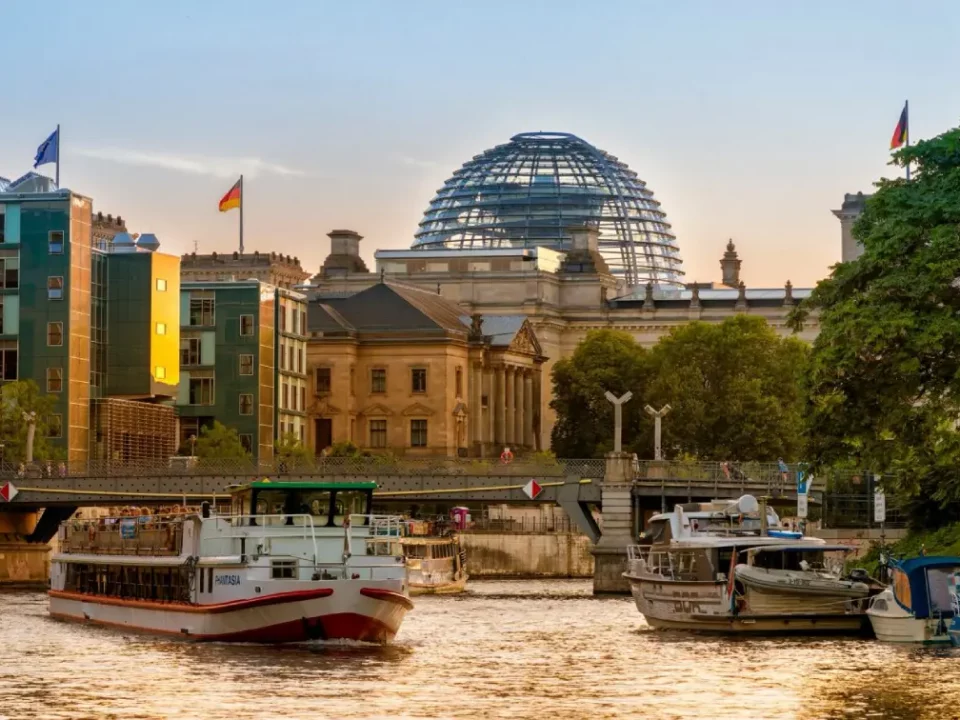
[276,599]
[387,596]
[337,626]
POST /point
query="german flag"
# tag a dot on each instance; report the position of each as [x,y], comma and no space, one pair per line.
[233,197]
[901,134]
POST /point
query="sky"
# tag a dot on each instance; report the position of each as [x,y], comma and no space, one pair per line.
[748,120]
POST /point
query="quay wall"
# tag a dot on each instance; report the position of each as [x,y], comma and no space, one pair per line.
[527,555]
[22,564]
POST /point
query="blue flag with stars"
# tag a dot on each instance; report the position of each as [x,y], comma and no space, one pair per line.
[49,150]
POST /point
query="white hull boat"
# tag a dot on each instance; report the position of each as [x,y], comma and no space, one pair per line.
[920,605]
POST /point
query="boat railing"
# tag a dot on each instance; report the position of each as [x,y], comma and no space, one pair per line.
[243,529]
[130,535]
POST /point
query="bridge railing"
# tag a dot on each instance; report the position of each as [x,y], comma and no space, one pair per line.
[769,476]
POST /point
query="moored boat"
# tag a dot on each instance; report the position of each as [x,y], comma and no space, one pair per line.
[919,606]
[435,559]
[291,562]
[727,566]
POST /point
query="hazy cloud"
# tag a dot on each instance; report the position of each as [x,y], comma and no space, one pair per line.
[221,167]
[417,162]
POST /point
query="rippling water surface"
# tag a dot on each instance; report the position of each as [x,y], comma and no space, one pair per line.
[545,650]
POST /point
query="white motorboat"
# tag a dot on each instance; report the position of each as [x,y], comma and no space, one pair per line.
[727,566]
[919,604]
[294,561]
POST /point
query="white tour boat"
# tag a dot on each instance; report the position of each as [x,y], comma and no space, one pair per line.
[436,562]
[293,561]
[727,566]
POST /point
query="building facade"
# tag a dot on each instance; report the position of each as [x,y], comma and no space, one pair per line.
[399,369]
[82,322]
[242,362]
[277,269]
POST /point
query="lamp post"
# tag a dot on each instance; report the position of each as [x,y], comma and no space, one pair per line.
[618,416]
[657,416]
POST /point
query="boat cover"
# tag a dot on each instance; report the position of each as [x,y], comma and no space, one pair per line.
[921,585]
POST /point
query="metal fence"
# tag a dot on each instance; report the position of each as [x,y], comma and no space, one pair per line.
[840,510]
[523,526]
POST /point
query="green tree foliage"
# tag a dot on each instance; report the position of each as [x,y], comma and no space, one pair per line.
[289,448]
[884,384]
[218,442]
[606,360]
[17,398]
[734,389]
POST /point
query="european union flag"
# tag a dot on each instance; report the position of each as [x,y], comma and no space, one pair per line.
[49,150]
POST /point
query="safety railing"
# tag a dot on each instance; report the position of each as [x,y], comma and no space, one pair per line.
[135,535]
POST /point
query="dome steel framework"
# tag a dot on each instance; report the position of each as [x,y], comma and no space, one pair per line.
[531,191]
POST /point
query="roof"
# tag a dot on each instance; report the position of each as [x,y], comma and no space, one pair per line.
[386,307]
[912,565]
[661,293]
[914,595]
[501,329]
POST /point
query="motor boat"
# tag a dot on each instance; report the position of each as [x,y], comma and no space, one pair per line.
[920,603]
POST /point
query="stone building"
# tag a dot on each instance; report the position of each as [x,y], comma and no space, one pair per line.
[275,269]
[848,213]
[401,369]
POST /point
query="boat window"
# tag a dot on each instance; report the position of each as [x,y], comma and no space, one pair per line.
[317,504]
[348,502]
[880,605]
[283,569]
[938,588]
[415,551]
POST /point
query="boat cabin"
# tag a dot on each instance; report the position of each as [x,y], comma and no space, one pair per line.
[328,504]
[924,586]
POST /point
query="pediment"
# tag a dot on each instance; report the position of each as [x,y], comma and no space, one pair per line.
[417,409]
[376,410]
[320,406]
[525,341]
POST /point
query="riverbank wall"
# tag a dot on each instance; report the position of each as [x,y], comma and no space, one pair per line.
[527,555]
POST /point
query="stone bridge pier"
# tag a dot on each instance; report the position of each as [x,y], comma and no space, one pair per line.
[610,552]
[24,561]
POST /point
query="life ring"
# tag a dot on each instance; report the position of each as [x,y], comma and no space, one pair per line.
[506,457]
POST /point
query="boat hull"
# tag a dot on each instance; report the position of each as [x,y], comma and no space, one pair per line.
[447,587]
[705,607]
[366,611]
[907,629]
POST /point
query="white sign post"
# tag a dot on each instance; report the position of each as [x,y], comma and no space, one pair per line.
[879,507]
[802,506]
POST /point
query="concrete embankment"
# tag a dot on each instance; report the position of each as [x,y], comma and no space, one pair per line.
[528,555]
[22,564]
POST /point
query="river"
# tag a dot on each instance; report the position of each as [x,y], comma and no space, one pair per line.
[513,649]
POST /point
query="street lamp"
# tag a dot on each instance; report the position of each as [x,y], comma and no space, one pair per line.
[657,416]
[618,416]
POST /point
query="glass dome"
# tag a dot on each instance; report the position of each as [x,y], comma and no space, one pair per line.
[529,191]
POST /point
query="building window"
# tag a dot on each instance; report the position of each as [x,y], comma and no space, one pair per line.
[190,351]
[55,242]
[10,273]
[378,380]
[54,334]
[246,325]
[161,328]
[160,372]
[283,318]
[3,218]
[285,402]
[55,429]
[291,365]
[300,360]
[54,380]
[459,382]
[418,380]
[246,403]
[246,440]
[418,433]
[161,285]
[55,287]
[296,322]
[202,309]
[283,355]
[8,364]
[201,389]
[303,398]
[303,322]
[246,364]
[323,380]
[378,433]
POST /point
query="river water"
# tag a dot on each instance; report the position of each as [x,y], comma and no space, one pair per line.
[518,649]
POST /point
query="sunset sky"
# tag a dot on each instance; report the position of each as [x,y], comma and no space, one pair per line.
[748,120]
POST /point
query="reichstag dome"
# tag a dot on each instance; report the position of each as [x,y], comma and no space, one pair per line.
[528,192]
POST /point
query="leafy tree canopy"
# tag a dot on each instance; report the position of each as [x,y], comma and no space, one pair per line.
[219,442]
[884,383]
[17,398]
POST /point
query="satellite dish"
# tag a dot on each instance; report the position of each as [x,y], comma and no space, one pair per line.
[747,505]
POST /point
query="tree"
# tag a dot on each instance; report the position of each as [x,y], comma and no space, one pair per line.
[290,450]
[17,398]
[884,381]
[606,360]
[218,442]
[734,389]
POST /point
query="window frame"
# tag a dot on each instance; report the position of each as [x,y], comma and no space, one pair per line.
[50,326]
[205,381]
[161,285]
[318,386]
[251,328]
[421,374]
[160,372]
[373,433]
[51,243]
[240,403]
[416,441]
[50,290]
[199,354]
[57,378]
[160,328]
[240,361]
[375,374]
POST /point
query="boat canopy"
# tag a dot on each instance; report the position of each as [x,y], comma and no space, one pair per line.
[798,547]
[921,585]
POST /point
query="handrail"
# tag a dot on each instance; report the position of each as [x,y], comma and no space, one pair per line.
[236,521]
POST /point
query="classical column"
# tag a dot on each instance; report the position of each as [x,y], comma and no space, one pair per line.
[500,398]
[528,410]
[489,422]
[519,410]
[511,408]
[474,377]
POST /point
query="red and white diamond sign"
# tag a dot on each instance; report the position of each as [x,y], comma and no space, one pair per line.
[532,489]
[8,491]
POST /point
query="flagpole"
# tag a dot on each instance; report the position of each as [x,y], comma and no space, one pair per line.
[241,213]
[906,108]
[58,156]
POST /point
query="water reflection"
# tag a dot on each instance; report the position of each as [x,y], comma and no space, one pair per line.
[504,650]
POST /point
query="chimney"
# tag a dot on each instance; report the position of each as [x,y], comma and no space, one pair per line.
[344,242]
[730,266]
[584,237]
[344,257]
